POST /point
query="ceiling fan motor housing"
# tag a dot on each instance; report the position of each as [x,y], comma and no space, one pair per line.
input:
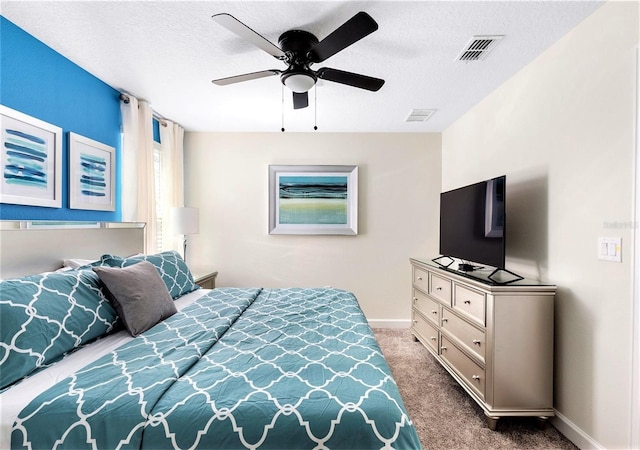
[296,45]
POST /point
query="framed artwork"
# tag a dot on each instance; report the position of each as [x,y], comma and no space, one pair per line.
[313,200]
[31,160]
[92,174]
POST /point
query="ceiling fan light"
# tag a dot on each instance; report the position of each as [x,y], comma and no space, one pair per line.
[299,82]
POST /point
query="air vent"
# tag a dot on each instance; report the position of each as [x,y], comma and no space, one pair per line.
[478,47]
[419,115]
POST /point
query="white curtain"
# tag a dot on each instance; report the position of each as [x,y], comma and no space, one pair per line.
[138,189]
[172,138]
[129,160]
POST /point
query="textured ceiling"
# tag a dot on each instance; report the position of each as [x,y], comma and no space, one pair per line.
[169,51]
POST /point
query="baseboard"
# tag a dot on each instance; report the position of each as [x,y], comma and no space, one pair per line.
[389,323]
[574,433]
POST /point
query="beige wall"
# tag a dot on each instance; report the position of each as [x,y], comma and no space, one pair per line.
[399,186]
[562,130]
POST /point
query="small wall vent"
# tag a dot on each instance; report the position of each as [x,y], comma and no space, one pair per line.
[478,48]
[419,115]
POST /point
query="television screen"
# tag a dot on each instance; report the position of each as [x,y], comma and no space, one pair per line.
[472,223]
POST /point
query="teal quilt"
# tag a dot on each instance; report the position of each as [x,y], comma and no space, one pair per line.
[240,368]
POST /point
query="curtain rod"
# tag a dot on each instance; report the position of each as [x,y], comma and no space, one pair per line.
[161,120]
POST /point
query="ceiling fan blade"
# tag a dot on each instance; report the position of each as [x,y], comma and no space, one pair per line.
[300,100]
[354,29]
[235,26]
[245,77]
[350,78]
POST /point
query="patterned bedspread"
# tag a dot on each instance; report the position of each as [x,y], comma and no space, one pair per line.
[240,368]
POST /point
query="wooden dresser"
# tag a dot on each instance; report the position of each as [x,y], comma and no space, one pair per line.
[496,340]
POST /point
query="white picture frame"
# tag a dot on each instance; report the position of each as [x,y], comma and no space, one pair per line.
[92,174]
[30,160]
[313,200]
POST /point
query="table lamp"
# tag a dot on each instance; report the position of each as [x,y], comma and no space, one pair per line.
[186,221]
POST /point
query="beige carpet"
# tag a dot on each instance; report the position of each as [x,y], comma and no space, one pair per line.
[442,412]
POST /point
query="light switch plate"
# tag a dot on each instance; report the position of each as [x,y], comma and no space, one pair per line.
[610,249]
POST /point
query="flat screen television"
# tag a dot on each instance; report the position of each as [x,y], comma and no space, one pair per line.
[473,225]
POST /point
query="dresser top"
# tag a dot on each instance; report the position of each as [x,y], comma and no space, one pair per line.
[501,279]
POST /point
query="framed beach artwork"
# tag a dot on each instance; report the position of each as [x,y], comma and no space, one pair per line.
[31,160]
[92,174]
[313,200]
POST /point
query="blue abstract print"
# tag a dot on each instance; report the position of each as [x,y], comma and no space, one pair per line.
[92,180]
[26,159]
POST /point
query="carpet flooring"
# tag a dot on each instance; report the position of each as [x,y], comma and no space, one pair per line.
[443,413]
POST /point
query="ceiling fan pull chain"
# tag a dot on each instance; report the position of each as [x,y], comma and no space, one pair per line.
[282,103]
[315,107]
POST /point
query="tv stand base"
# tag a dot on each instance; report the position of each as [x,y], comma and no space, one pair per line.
[516,276]
[437,261]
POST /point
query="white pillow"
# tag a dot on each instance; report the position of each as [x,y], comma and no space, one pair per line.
[74,263]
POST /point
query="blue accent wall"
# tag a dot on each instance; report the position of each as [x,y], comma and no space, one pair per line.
[38,81]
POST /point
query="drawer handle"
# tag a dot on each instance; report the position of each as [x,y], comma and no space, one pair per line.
[419,278]
[476,377]
[415,321]
[476,342]
[433,338]
[439,288]
[445,320]
[443,349]
[415,299]
[434,312]
[467,302]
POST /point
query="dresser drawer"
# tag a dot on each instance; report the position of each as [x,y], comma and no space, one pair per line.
[464,333]
[471,372]
[440,288]
[469,302]
[425,330]
[421,279]
[427,306]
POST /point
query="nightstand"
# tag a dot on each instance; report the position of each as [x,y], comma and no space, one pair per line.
[206,280]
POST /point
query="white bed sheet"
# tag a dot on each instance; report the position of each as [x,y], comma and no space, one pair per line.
[15,399]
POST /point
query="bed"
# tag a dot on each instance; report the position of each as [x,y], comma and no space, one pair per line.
[228,368]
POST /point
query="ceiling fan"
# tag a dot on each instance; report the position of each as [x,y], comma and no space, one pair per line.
[299,50]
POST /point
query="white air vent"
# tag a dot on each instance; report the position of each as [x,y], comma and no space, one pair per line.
[419,115]
[478,47]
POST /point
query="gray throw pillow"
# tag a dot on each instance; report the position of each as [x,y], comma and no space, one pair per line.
[138,294]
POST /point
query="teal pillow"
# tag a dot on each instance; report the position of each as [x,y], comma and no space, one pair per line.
[44,316]
[170,265]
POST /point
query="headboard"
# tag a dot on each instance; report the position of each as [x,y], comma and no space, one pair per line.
[30,247]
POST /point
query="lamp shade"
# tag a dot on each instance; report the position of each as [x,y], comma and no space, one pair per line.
[185,220]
